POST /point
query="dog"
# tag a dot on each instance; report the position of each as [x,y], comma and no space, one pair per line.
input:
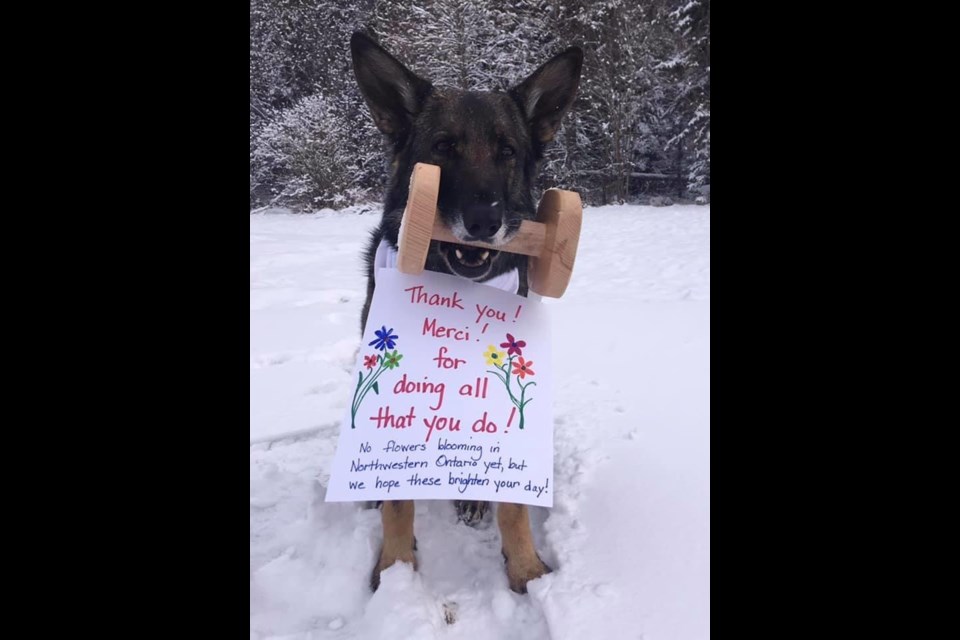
[489,146]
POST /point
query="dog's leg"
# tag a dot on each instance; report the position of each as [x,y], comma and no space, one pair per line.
[523,563]
[471,512]
[398,541]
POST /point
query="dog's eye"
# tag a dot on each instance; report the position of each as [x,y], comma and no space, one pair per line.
[444,146]
[506,151]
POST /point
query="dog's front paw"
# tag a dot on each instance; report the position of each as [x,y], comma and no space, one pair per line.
[389,556]
[521,570]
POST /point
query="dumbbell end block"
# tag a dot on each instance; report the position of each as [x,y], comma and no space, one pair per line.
[561,213]
[416,227]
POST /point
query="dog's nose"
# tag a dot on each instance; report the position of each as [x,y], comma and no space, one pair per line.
[482,221]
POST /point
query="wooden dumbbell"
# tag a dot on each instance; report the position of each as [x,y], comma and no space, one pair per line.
[551,241]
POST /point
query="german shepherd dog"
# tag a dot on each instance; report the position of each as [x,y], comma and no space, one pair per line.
[489,146]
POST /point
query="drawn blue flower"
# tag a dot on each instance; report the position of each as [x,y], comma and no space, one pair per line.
[385,339]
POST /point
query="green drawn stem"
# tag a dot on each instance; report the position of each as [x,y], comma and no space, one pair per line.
[358,399]
[499,377]
[523,403]
[523,392]
[505,379]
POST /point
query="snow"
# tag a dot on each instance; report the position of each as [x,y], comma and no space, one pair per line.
[628,537]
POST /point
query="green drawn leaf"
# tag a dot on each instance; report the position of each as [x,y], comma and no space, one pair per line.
[376,387]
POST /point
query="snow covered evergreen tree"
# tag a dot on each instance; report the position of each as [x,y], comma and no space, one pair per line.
[640,125]
[690,20]
[300,68]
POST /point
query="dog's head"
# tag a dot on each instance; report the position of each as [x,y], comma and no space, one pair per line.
[488,146]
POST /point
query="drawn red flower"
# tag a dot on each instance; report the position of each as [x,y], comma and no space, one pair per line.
[522,368]
[370,361]
[513,346]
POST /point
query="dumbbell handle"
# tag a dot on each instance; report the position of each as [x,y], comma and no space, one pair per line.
[550,241]
[528,241]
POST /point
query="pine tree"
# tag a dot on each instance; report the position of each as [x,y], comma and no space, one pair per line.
[642,117]
[691,22]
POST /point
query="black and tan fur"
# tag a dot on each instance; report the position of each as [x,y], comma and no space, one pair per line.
[489,146]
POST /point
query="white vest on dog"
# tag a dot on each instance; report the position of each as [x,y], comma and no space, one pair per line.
[386,257]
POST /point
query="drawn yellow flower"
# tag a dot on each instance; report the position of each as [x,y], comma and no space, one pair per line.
[494,357]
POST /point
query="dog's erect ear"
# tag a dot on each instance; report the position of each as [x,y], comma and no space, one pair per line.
[546,95]
[394,93]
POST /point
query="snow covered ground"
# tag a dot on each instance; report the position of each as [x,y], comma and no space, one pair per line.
[629,535]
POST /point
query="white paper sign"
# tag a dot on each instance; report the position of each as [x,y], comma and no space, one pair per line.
[453,396]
